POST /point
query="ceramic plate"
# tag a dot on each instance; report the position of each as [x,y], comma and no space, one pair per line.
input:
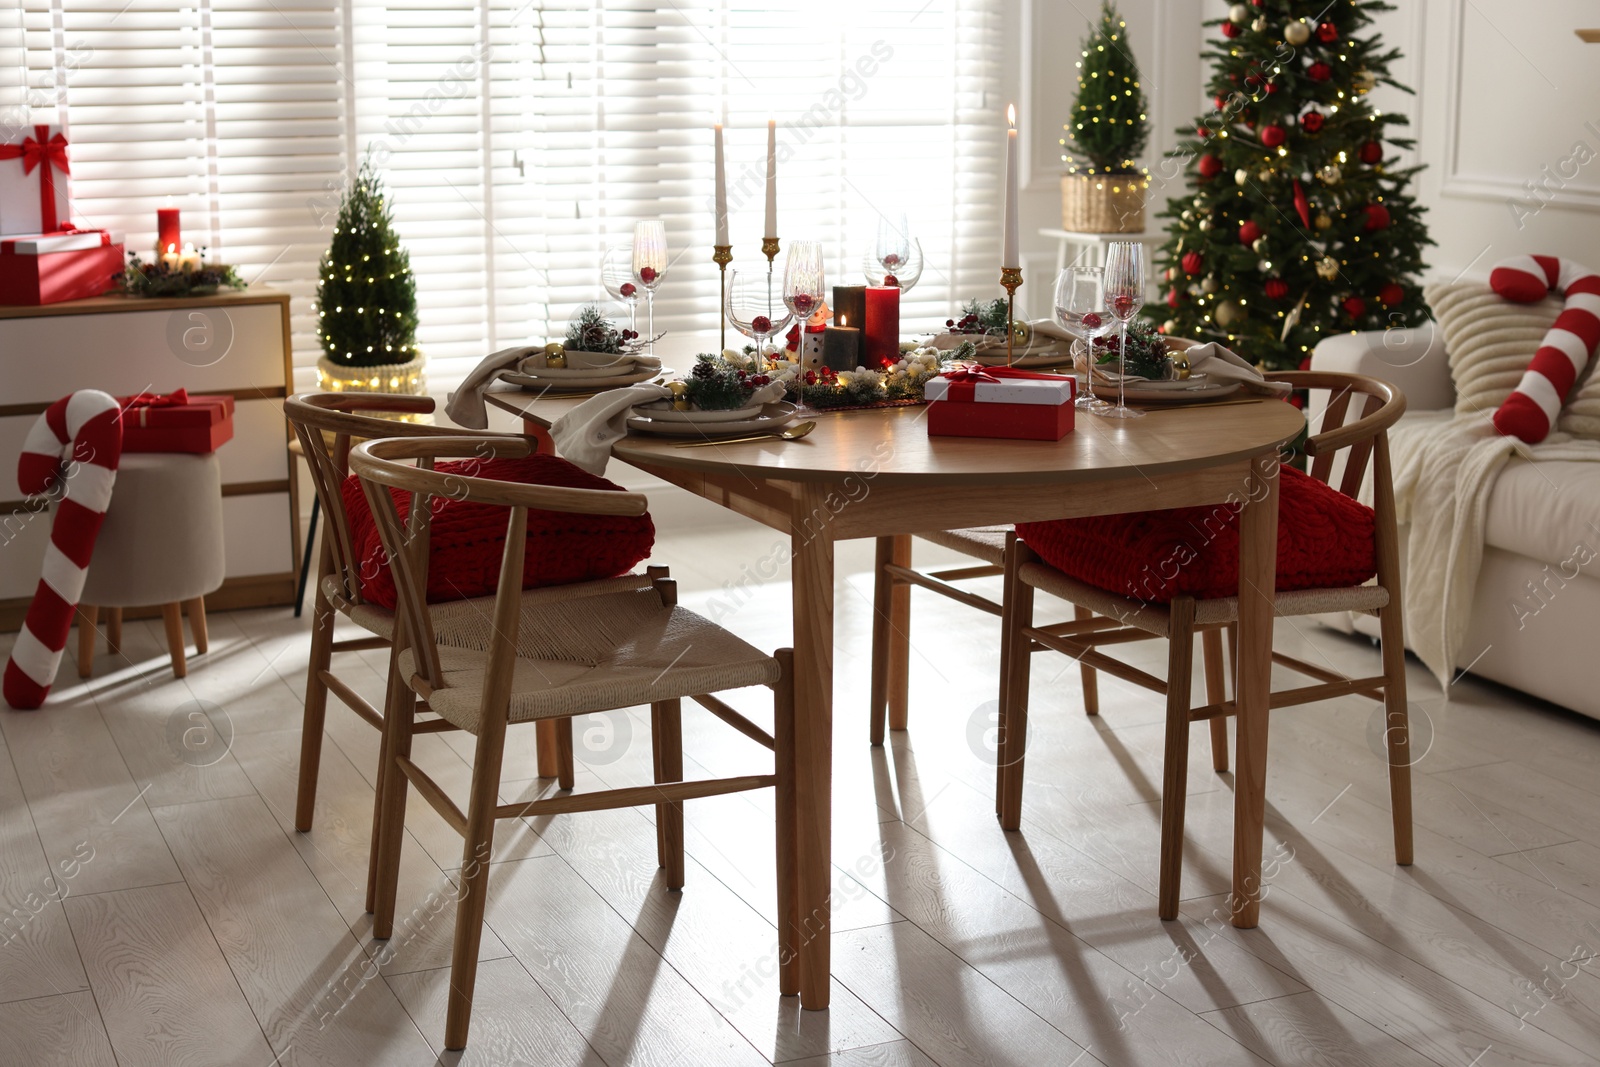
[772,417]
[623,366]
[540,383]
[1174,385]
[1195,394]
[662,411]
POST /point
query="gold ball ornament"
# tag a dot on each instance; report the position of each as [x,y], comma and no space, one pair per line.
[1261,25]
[1327,268]
[1228,312]
[1203,225]
[1297,33]
[1364,81]
[1169,327]
[1265,174]
[1238,13]
[1259,246]
[1322,222]
[1186,215]
[1208,285]
[677,388]
[555,355]
[1331,174]
[1241,177]
[1180,364]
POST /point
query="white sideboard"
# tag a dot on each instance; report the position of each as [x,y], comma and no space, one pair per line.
[235,343]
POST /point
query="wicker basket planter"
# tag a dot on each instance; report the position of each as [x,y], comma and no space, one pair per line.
[405,379]
[1103,203]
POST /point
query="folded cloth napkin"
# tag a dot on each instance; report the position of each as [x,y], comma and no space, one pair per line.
[1218,364]
[584,435]
[465,405]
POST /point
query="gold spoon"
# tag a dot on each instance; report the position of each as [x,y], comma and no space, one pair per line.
[791,433]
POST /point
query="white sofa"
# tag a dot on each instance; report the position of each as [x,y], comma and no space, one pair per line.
[1538,596]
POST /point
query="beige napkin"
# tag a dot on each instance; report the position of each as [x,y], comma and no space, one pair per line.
[465,406]
[584,435]
[1218,364]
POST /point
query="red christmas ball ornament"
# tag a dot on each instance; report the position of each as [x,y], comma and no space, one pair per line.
[1319,71]
[1391,294]
[1201,132]
[1193,262]
[647,274]
[1327,33]
[1273,135]
[1372,153]
[1252,80]
[1209,166]
[1277,289]
[1354,306]
[1272,87]
[1377,217]
[1220,100]
[1258,3]
[1248,232]
[628,291]
[761,324]
[1174,298]
[1311,121]
[1230,29]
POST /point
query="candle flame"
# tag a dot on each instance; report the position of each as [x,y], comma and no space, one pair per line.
[844,320]
[172,247]
[1011,115]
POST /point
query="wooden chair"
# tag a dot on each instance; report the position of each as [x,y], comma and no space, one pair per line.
[1117,619]
[548,655]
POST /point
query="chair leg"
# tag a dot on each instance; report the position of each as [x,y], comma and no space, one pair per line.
[1091,677]
[88,620]
[196,611]
[786,797]
[316,706]
[474,893]
[1397,728]
[1017,614]
[547,756]
[389,808]
[882,593]
[1175,763]
[566,776]
[171,614]
[398,700]
[114,631]
[1216,693]
[666,730]
[305,558]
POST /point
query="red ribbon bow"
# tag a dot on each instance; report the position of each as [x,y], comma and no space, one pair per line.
[964,380]
[49,154]
[177,399]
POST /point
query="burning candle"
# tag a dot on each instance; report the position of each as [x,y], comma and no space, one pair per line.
[169,258]
[1012,256]
[722,192]
[169,237]
[772,179]
[189,261]
[880,340]
[841,346]
[850,301]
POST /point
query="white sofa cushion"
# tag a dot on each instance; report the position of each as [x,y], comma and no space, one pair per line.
[1550,512]
[1491,341]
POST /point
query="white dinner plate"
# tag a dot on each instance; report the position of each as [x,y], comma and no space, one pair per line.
[662,411]
[772,417]
[1175,385]
[542,383]
[623,365]
[1197,394]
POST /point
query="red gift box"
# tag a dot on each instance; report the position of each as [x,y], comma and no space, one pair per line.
[1001,402]
[48,268]
[176,422]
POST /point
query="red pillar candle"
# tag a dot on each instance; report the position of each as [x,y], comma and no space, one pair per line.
[168,236]
[880,337]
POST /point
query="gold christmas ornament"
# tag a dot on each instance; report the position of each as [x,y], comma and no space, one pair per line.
[1241,177]
[1180,364]
[1229,312]
[1323,222]
[1266,174]
[1259,246]
[1297,33]
[1238,13]
[1169,327]
[1186,215]
[1331,174]
[1260,25]
[1327,268]
[555,348]
[1365,81]
[557,362]
[1204,225]
[1209,284]
[677,388]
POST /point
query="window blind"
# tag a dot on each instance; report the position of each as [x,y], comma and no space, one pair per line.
[522,138]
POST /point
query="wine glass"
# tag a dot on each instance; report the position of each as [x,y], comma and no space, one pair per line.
[650,265]
[748,307]
[803,290]
[893,247]
[906,271]
[1081,307]
[1124,298]
[616,274]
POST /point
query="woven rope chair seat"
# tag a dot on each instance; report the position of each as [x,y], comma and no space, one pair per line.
[987,543]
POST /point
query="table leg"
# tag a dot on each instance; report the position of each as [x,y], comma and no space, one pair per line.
[812,577]
[539,433]
[1258,556]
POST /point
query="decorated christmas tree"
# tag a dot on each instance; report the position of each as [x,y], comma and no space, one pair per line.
[1296,223]
[366,295]
[1109,124]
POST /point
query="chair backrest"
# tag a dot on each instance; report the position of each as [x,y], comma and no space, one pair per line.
[405,463]
[1359,413]
[326,425]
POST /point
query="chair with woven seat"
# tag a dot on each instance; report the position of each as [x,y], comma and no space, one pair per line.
[545,656]
[1340,544]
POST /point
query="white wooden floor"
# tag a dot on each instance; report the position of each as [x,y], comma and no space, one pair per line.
[159,908]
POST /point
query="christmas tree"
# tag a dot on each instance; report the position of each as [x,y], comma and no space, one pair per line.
[1297,224]
[1109,123]
[366,295]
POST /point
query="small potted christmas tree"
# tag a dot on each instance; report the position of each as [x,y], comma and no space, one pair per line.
[1103,189]
[367,299]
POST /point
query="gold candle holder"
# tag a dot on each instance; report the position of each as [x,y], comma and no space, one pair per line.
[722,255]
[769,248]
[1010,278]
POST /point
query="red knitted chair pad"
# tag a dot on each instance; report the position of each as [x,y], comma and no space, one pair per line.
[1325,540]
[466,540]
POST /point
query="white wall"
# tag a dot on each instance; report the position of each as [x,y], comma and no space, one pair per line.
[1504,90]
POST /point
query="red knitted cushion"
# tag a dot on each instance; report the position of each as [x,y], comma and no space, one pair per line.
[466,540]
[1325,540]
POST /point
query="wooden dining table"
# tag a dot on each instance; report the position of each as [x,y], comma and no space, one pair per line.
[877,473]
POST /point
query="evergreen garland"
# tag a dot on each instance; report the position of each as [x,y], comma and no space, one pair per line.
[366,293]
[1110,121]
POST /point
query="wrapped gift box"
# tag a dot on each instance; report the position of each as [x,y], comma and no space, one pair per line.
[33,182]
[47,268]
[176,422]
[1000,402]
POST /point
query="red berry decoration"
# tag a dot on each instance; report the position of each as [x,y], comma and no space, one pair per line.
[1248,232]
[1209,166]
[627,290]
[1327,33]
[761,324]
[890,279]
[1319,71]
[1391,294]
[1273,135]
[1354,306]
[802,304]
[1193,262]
[1377,217]
[1311,121]
[647,274]
[1092,321]
[1372,153]
[1230,29]
[1277,289]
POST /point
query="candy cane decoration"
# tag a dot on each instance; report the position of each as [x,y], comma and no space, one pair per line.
[1531,409]
[71,452]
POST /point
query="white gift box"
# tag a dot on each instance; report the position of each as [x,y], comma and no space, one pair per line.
[41,243]
[22,211]
[1011,391]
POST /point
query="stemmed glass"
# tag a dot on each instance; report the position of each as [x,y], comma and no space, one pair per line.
[1124,298]
[802,294]
[1081,307]
[895,254]
[650,265]
[616,274]
[749,308]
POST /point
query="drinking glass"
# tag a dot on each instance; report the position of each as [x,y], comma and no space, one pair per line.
[893,247]
[649,266]
[749,309]
[1124,298]
[803,290]
[616,274]
[1081,307]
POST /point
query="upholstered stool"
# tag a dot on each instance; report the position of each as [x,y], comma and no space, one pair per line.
[161,543]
